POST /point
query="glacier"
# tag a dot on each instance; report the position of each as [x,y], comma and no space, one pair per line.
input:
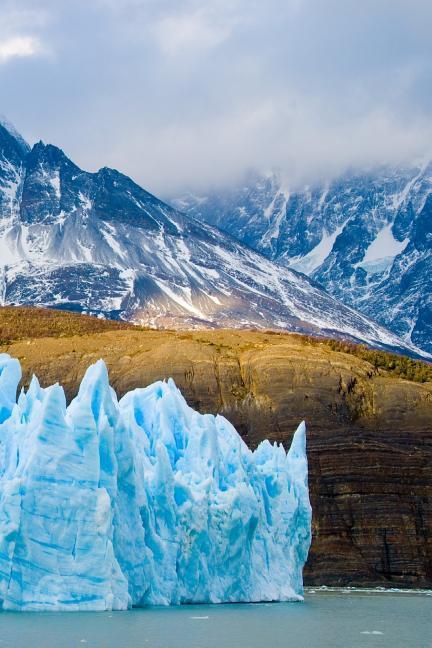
[107,504]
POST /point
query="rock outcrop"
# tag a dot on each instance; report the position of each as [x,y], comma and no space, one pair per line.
[369,432]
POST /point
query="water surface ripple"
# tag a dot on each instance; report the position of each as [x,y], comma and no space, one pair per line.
[327,619]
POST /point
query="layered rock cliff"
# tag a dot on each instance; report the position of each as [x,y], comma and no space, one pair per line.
[369,431]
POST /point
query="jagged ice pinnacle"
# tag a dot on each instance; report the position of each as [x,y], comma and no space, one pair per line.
[106,504]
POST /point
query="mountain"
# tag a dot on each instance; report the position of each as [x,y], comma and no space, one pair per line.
[365,237]
[99,243]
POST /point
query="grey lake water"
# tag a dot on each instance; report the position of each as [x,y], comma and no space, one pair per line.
[333,619]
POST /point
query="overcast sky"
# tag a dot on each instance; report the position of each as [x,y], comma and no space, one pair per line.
[181,93]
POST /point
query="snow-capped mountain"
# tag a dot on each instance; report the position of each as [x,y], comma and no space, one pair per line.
[99,243]
[366,238]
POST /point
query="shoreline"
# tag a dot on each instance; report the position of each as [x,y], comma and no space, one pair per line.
[323,589]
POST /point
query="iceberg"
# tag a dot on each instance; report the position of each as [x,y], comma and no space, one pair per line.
[107,504]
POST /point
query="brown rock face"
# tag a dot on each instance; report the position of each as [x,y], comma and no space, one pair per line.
[369,433]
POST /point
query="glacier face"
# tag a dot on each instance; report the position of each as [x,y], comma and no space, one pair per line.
[106,504]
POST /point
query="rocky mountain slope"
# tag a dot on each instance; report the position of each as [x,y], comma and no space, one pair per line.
[99,243]
[366,238]
[369,431]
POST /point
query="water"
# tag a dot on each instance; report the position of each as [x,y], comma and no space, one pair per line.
[325,620]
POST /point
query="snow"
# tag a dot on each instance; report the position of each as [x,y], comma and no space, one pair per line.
[85,201]
[55,183]
[109,234]
[316,257]
[9,187]
[382,251]
[7,254]
[84,252]
[61,219]
[184,202]
[107,504]
[214,298]
[183,301]
[13,131]
[274,229]
[323,198]
[399,199]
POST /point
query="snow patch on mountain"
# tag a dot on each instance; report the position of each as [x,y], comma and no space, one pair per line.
[382,251]
[316,257]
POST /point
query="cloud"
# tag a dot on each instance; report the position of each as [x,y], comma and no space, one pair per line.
[20,30]
[19,47]
[189,93]
[191,31]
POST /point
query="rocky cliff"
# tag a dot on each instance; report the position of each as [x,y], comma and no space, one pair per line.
[369,431]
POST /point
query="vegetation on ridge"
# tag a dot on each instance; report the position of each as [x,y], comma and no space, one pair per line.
[20,323]
[399,365]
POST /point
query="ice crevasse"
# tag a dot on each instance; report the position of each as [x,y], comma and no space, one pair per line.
[108,504]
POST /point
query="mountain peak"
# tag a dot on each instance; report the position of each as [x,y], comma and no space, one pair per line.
[50,156]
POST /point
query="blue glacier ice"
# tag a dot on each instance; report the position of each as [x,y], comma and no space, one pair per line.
[107,504]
